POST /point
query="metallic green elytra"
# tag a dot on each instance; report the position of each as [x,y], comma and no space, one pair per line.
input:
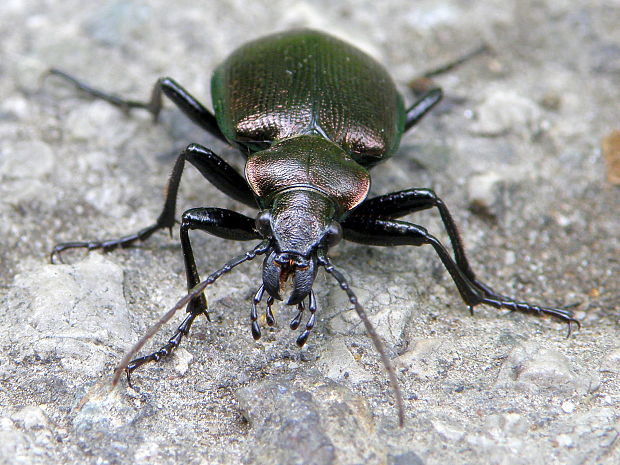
[308,83]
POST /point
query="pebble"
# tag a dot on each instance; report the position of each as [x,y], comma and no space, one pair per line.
[102,410]
[611,361]
[611,154]
[484,193]
[503,111]
[536,369]
[311,421]
[407,458]
[337,363]
[76,314]
[568,406]
[182,360]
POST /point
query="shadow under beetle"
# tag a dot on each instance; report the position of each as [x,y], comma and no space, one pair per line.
[312,114]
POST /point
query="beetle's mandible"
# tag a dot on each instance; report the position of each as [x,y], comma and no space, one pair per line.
[313,115]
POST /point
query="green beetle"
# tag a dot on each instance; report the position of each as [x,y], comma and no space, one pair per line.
[312,114]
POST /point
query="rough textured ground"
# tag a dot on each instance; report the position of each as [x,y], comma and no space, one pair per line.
[514,151]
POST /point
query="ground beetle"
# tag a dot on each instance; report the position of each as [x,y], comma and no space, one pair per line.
[312,114]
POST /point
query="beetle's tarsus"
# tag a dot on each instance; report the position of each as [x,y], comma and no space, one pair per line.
[128,374]
[105,245]
[123,104]
[303,337]
[56,257]
[524,307]
[482,48]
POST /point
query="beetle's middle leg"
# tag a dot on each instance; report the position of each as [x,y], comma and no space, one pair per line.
[386,232]
[398,204]
[211,166]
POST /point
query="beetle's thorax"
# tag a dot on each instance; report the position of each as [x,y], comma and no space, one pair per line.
[308,162]
[304,184]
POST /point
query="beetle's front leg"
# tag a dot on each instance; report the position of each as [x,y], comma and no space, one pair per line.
[219,222]
[385,232]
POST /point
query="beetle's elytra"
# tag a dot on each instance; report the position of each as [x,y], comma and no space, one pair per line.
[312,114]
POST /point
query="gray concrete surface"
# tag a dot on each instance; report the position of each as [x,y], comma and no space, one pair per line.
[514,151]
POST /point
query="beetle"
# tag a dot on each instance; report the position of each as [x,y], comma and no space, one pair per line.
[313,115]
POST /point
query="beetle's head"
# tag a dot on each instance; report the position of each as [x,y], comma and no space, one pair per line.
[299,222]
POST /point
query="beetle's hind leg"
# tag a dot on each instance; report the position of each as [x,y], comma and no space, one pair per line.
[211,166]
[385,232]
[422,106]
[191,107]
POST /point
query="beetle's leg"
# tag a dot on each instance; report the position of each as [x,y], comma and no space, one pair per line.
[256,334]
[449,66]
[398,204]
[424,82]
[374,231]
[211,166]
[254,313]
[192,108]
[422,106]
[219,173]
[167,348]
[219,222]
[128,365]
[271,320]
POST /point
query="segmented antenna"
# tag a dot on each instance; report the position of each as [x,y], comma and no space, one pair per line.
[260,249]
[370,330]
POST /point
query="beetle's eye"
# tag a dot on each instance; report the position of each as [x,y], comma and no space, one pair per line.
[263,223]
[333,235]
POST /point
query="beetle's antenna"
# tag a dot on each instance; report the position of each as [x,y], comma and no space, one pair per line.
[370,329]
[193,293]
